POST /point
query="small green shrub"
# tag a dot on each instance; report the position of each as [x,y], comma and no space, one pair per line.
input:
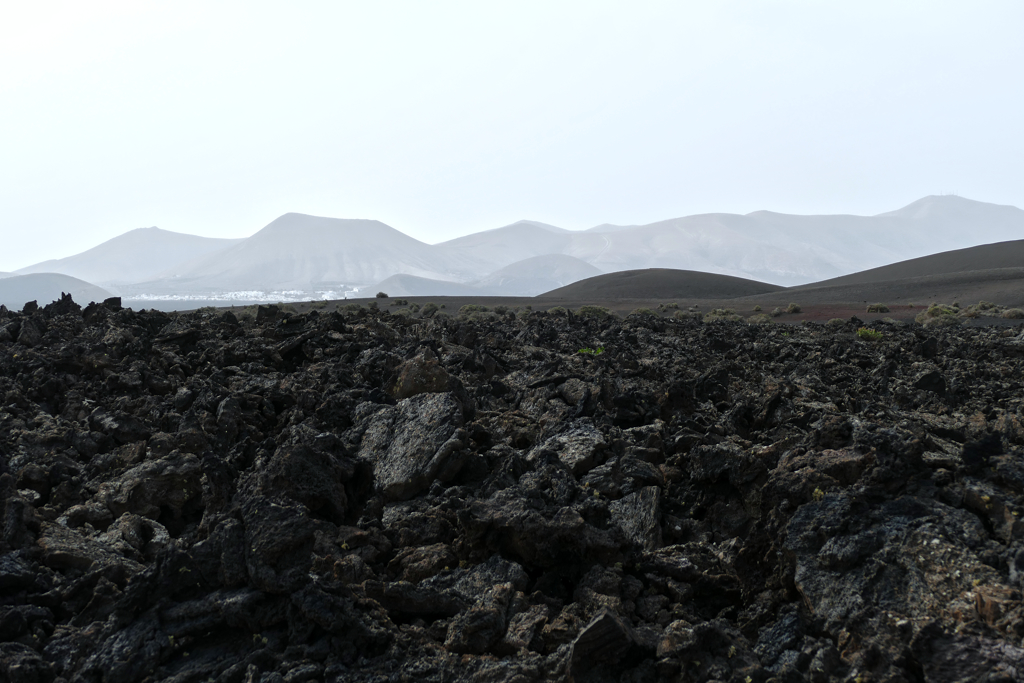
[592,352]
[688,315]
[878,308]
[598,312]
[399,302]
[372,306]
[868,334]
[414,307]
[500,310]
[757,308]
[834,323]
[557,310]
[643,311]
[793,308]
[351,309]
[403,313]
[672,305]
[479,316]
[315,305]
[776,312]
[759,319]
[1013,313]
[382,295]
[428,309]
[471,308]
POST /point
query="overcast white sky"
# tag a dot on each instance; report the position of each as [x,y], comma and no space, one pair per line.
[444,118]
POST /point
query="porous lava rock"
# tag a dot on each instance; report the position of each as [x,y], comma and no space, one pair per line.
[368,497]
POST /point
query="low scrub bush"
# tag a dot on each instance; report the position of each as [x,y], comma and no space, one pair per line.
[643,311]
[598,312]
[942,321]
[246,313]
[757,308]
[471,308]
[776,312]
[834,323]
[938,315]
[936,311]
[1013,314]
[382,295]
[793,308]
[722,314]
[878,308]
[351,309]
[688,315]
[557,310]
[428,309]
[399,302]
[759,319]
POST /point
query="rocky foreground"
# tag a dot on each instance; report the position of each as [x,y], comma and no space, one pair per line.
[360,496]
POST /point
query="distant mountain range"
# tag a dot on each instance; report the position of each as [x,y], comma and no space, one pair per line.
[301,257]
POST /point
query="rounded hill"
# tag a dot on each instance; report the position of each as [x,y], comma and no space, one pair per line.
[661,283]
[16,291]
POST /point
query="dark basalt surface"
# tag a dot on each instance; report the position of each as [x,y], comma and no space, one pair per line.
[368,497]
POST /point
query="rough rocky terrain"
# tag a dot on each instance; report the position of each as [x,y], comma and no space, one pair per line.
[362,496]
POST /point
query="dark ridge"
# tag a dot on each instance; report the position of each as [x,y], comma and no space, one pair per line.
[983,257]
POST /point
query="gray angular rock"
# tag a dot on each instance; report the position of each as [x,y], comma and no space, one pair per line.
[639,515]
[413,443]
[580,446]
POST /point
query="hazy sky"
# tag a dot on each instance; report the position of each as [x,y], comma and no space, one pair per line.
[443,118]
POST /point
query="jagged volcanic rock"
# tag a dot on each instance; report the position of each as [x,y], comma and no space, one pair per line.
[368,497]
